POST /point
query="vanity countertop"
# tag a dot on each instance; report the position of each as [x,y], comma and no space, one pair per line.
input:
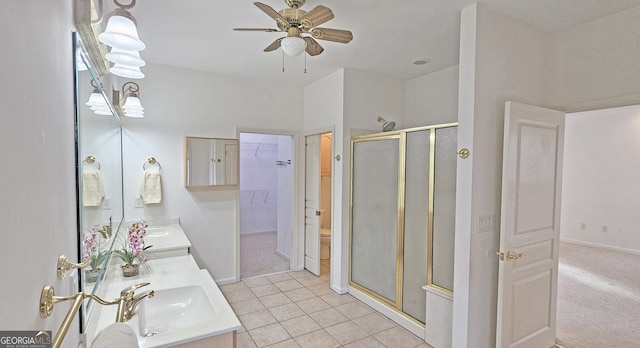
[166,237]
[222,322]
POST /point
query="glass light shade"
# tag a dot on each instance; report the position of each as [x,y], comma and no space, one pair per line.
[132,103]
[121,32]
[132,72]
[134,114]
[96,100]
[125,57]
[102,111]
[293,46]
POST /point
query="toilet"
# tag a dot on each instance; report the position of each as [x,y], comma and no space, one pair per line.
[325,238]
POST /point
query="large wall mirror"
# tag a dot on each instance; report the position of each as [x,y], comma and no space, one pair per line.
[99,174]
[211,162]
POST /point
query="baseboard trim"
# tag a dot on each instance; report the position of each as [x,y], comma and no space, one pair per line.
[339,290]
[601,246]
[281,254]
[253,233]
[226,281]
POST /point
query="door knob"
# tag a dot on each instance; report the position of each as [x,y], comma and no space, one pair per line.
[510,256]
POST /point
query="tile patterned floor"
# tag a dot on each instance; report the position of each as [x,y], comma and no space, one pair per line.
[298,309]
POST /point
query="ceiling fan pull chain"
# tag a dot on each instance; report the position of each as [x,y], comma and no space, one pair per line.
[282,61]
[305,63]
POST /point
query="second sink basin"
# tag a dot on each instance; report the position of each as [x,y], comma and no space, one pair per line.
[174,309]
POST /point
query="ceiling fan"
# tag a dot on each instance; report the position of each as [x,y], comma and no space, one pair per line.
[296,22]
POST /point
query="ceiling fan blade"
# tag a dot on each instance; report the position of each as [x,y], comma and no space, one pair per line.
[336,35]
[313,47]
[274,46]
[268,30]
[320,14]
[272,13]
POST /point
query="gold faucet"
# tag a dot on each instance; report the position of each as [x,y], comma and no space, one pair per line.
[128,302]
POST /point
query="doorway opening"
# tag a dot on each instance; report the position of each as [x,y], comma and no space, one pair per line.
[266,203]
[325,202]
[318,207]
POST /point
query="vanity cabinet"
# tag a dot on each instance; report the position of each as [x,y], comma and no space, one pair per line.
[225,340]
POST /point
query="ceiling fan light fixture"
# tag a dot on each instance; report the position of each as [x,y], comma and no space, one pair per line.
[293,46]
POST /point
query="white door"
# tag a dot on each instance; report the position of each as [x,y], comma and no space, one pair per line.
[530,226]
[312,205]
[231,162]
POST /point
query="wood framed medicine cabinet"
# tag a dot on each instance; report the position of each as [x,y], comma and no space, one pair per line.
[211,162]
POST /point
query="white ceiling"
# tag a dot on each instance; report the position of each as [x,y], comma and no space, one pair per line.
[388,35]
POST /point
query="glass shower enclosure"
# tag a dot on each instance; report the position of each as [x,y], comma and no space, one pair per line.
[402,215]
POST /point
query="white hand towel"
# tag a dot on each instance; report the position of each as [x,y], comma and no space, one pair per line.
[151,187]
[92,188]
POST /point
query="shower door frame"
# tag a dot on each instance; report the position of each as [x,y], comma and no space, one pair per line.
[401,135]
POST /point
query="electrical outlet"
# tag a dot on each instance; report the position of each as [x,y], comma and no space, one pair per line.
[106,203]
[137,202]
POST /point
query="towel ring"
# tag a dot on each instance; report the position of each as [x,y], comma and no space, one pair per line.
[151,160]
[91,159]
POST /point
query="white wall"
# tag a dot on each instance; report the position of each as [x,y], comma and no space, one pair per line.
[37,200]
[180,102]
[500,59]
[286,197]
[595,64]
[600,179]
[324,111]
[432,99]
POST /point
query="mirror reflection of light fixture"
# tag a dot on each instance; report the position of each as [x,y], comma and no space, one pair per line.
[129,102]
[97,102]
[386,125]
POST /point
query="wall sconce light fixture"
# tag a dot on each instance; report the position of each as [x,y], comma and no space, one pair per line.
[129,102]
[97,102]
[121,34]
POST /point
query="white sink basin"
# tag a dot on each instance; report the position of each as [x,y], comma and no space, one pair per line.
[174,309]
[157,231]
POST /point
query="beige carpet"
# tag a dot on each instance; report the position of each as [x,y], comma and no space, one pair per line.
[258,255]
[598,298]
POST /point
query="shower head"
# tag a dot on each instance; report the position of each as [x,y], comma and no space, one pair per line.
[386,125]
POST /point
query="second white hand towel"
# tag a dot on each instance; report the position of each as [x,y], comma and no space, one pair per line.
[92,188]
[151,187]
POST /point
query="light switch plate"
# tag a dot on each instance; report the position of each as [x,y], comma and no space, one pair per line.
[486,223]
